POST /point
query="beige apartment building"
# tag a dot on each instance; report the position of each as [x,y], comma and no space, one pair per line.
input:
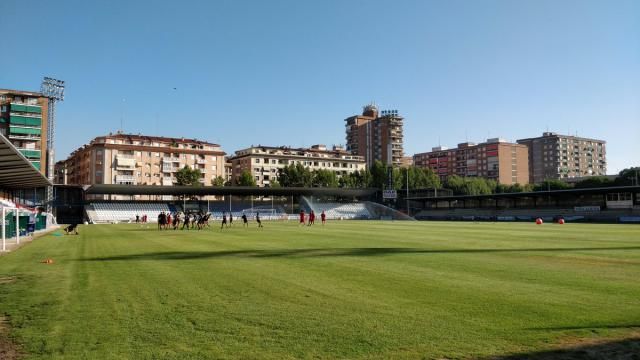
[554,156]
[127,159]
[494,159]
[264,162]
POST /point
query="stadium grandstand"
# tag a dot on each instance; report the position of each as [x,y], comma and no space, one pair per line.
[607,204]
[22,197]
[92,204]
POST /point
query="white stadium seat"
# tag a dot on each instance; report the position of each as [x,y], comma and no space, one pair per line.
[123,212]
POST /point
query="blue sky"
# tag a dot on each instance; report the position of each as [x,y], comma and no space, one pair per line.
[289,72]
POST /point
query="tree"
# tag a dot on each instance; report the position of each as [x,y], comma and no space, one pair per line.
[551,184]
[514,188]
[627,177]
[419,178]
[218,181]
[246,179]
[188,177]
[355,180]
[594,182]
[295,176]
[274,183]
[324,178]
[471,185]
[378,175]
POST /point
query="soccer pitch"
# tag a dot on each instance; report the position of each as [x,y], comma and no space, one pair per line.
[350,289]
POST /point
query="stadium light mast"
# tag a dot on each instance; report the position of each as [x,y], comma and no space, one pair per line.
[53,89]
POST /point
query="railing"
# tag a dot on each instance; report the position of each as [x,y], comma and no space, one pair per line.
[125,178]
[24,137]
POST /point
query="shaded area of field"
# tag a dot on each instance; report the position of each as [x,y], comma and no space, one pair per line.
[183,255]
[587,350]
[346,290]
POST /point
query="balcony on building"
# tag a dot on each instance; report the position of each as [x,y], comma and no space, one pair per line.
[30,153]
[125,179]
[169,167]
[125,161]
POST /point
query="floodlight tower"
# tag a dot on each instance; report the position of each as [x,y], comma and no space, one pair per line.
[53,89]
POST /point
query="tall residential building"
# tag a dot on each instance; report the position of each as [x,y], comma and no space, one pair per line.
[554,156]
[376,136]
[23,120]
[494,159]
[264,162]
[139,160]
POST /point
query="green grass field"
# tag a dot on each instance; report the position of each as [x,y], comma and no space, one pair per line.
[348,290]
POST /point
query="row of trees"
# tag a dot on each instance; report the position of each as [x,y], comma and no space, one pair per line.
[418,178]
[481,186]
[300,176]
[191,177]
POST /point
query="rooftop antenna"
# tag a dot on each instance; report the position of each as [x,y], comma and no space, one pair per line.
[122,115]
[156,128]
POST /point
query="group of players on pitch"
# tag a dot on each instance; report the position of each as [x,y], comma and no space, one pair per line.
[311,218]
[200,220]
[193,220]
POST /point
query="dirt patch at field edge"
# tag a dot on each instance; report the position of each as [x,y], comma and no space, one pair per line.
[571,348]
[8,349]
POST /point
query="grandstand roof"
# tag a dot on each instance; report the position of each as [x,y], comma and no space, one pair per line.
[16,171]
[599,190]
[227,190]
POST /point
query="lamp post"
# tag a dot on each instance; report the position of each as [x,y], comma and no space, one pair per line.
[408,211]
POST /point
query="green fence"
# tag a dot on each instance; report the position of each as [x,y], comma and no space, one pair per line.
[10,223]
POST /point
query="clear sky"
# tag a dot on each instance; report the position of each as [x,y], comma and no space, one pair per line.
[289,72]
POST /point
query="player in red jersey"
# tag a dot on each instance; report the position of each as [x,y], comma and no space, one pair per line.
[302,217]
[323,217]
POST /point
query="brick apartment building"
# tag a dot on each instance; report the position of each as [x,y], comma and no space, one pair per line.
[554,156]
[494,159]
[376,136]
